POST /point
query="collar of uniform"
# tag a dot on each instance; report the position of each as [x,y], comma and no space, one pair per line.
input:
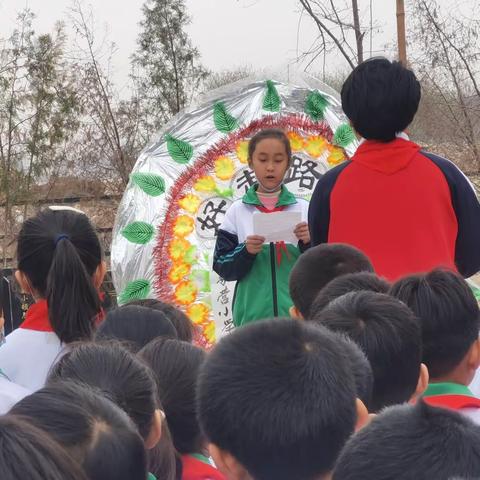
[36,318]
[447,388]
[285,198]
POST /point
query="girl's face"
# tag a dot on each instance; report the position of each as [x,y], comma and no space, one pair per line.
[270,163]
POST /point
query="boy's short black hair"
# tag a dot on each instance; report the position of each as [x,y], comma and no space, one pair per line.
[135,325]
[386,330]
[350,282]
[380,98]
[412,442]
[279,396]
[320,265]
[448,313]
[361,369]
[183,325]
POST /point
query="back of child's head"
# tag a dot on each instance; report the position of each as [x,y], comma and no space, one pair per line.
[361,369]
[386,330]
[135,325]
[408,442]
[380,98]
[448,313]
[29,453]
[350,282]
[269,133]
[320,265]
[98,435]
[176,366]
[58,255]
[278,396]
[116,372]
[183,325]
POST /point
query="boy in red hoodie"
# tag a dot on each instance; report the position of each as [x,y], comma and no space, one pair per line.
[408,210]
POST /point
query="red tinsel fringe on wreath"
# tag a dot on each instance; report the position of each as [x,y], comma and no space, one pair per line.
[202,166]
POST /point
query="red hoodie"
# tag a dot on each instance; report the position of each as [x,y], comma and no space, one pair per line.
[408,211]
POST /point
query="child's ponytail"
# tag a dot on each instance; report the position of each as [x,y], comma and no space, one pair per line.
[72,299]
[59,253]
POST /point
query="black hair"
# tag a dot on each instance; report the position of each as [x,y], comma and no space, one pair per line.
[320,265]
[361,370]
[176,366]
[183,325]
[386,330]
[135,325]
[380,98]
[350,282]
[412,441]
[448,313]
[59,252]
[27,452]
[116,372]
[97,434]
[268,133]
[279,396]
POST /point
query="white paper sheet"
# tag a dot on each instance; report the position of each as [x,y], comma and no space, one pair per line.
[277,227]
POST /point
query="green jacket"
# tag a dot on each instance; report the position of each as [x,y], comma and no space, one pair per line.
[262,280]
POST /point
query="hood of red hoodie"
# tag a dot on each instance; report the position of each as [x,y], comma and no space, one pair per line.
[386,157]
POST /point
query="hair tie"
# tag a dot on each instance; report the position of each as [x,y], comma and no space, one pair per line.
[61,236]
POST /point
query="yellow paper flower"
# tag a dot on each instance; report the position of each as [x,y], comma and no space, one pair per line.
[183,226]
[242,151]
[205,184]
[336,156]
[224,168]
[296,141]
[315,146]
[209,332]
[178,272]
[198,313]
[178,248]
[190,203]
[185,293]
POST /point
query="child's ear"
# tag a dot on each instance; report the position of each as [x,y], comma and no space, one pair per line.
[294,313]
[99,274]
[363,418]
[422,384]
[156,431]
[228,464]
[474,355]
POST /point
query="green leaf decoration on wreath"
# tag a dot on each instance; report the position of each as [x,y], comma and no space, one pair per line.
[138,232]
[271,101]
[315,105]
[344,135]
[222,119]
[151,184]
[136,290]
[180,151]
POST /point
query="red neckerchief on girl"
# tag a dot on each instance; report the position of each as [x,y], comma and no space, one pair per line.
[36,318]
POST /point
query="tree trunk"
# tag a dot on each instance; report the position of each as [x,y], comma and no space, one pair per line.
[358,32]
[402,43]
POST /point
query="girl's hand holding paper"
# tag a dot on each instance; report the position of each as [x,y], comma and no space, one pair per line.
[254,243]
[302,233]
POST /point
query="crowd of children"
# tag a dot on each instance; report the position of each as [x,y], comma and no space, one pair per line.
[356,350]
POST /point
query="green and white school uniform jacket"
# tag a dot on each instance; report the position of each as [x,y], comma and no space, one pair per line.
[262,280]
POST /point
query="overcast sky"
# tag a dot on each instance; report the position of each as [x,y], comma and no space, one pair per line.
[228,33]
